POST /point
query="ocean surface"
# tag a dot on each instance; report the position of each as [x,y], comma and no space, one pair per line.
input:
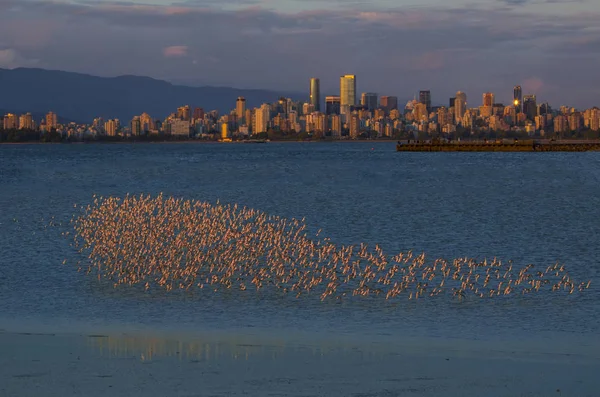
[538,208]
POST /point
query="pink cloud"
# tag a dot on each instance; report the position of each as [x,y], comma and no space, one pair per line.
[533,85]
[428,61]
[175,51]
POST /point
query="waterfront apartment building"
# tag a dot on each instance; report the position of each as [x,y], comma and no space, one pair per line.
[26,122]
[136,126]
[315,94]
[111,127]
[10,121]
[51,121]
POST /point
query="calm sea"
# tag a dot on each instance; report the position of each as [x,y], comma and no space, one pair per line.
[530,208]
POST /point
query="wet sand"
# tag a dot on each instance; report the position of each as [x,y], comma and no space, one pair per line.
[218,364]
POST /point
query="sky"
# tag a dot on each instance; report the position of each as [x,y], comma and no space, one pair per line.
[549,47]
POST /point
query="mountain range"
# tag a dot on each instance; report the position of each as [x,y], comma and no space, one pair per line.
[81,97]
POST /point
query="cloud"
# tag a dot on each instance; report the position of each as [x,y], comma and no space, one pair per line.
[175,51]
[8,57]
[11,58]
[533,85]
[394,51]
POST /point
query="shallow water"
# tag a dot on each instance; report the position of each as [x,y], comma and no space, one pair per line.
[535,208]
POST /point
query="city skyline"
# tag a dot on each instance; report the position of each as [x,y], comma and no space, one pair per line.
[393,47]
[344,117]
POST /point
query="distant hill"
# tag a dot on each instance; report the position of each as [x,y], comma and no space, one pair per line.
[81,97]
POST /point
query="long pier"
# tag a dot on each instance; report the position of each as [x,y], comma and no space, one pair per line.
[499,146]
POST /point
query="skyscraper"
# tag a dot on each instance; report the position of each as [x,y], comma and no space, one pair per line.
[332,105]
[488,99]
[460,105]
[183,113]
[488,105]
[26,122]
[262,118]
[240,110]
[198,114]
[425,98]
[11,121]
[51,121]
[518,99]
[348,90]
[389,103]
[136,126]
[315,93]
[369,100]
[530,107]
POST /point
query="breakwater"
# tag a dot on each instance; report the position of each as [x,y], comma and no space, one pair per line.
[498,146]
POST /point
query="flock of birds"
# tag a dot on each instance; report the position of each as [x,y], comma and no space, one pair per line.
[171,243]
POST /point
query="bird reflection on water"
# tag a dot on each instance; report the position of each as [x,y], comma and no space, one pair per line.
[209,348]
[177,244]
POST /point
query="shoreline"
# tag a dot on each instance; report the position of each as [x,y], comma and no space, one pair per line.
[192,142]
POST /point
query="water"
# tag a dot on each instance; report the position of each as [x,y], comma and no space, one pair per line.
[529,208]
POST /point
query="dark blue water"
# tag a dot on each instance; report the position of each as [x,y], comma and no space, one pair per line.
[529,208]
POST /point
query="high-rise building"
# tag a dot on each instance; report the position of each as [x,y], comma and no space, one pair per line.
[240,110]
[262,118]
[183,113]
[180,127]
[11,122]
[369,100]
[560,124]
[575,121]
[348,90]
[336,126]
[307,108]
[425,98]
[248,118]
[111,127]
[488,105]
[518,99]
[26,122]
[388,103]
[51,121]
[198,114]
[146,123]
[488,99]
[354,126]
[136,126]
[544,108]
[315,93]
[460,106]
[420,112]
[332,105]
[530,107]
[451,102]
